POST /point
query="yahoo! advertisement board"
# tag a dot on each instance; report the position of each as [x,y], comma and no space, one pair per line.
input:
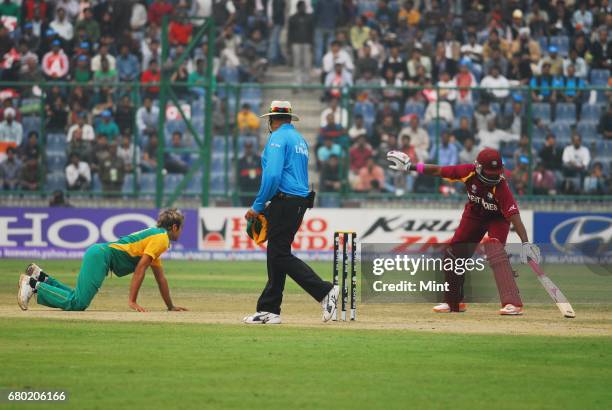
[67,232]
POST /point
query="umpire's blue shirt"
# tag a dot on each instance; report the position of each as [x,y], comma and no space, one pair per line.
[285,166]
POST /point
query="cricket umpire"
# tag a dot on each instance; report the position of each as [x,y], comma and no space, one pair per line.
[284,189]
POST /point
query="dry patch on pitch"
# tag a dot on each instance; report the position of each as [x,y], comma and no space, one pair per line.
[300,311]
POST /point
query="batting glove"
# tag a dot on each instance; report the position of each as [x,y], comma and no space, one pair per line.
[530,251]
[400,161]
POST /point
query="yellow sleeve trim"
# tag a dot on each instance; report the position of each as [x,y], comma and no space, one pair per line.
[465,178]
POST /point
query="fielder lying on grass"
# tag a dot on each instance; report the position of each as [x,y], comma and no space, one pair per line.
[491,209]
[133,253]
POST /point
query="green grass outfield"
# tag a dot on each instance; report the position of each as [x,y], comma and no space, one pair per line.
[164,364]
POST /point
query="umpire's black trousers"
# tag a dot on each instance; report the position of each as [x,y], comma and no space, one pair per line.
[284,219]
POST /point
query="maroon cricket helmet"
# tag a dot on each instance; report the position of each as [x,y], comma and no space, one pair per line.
[489,166]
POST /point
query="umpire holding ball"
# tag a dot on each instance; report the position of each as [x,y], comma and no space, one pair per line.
[284,188]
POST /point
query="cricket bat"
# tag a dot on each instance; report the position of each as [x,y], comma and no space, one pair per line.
[554,292]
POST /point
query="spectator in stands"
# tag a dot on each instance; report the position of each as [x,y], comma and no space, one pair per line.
[300,37]
[253,57]
[326,15]
[337,80]
[340,114]
[573,89]
[197,79]
[10,130]
[520,175]
[246,121]
[147,117]
[537,20]
[30,175]
[483,115]
[100,152]
[359,154]
[492,137]
[81,73]
[180,29]
[473,51]
[446,153]
[326,150]
[497,59]
[30,148]
[86,130]
[61,25]
[77,145]
[365,63]
[542,85]
[555,60]
[465,79]
[390,81]
[605,123]
[523,149]
[158,9]
[578,62]
[357,129]
[514,122]
[582,19]
[544,181]
[55,64]
[409,16]
[174,162]
[10,169]
[124,114]
[333,131]
[151,75]
[371,177]
[89,24]
[447,87]
[601,50]
[78,174]
[56,115]
[576,159]
[469,152]
[525,45]
[112,171]
[128,152]
[360,33]
[105,76]
[418,137]
[595,182]
[276,14]
[128,67]
[452,48]
[107,125]
[149,158]
[336,55]
[330,175]
[249,174]
[519,69]
[418,59]
[464,131]
[384,130]
[496,86]
[395,62]
[550,154]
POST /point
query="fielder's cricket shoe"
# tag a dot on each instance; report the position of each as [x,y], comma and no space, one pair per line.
[511,310]
[33,270]
[25,292]
[330,303]
[263,318]
[444,308]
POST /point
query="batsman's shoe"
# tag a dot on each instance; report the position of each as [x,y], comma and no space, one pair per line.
[511,310]
[263,318]
[25,292]
[444,308]
[33,270]
[330,303]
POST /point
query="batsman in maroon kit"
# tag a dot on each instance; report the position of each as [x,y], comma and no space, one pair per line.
[491,209]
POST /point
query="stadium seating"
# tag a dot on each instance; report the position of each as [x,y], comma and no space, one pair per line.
[417,108]
[565,112]
[562,43]
[541,111]
[591,113]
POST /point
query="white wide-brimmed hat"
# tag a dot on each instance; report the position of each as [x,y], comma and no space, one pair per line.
[280,108]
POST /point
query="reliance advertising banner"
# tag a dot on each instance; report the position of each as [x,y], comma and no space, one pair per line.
[67,232]
[222,230]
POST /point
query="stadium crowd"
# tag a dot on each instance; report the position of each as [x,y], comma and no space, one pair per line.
[397,75]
